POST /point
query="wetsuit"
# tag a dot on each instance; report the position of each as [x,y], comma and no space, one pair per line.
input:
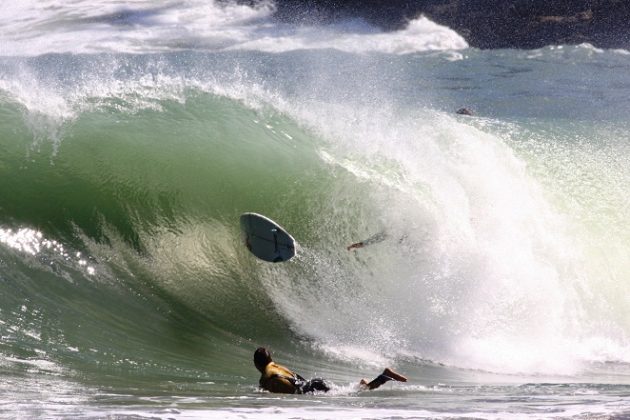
[277,378]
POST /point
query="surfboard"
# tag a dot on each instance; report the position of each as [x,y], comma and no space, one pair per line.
[266,239]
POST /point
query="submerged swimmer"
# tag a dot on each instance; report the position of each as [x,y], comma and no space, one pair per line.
[279,379]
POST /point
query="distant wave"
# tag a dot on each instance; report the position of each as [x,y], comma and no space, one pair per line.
[358,37]
[30,28]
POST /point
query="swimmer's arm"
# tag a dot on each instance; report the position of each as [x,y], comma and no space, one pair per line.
[356,245]
[379,237]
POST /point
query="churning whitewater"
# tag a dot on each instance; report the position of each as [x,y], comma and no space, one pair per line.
[132,137]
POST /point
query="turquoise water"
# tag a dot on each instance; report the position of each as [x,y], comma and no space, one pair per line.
[127,156]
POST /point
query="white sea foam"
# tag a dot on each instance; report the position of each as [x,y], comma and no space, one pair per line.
[38,27]
[420,35]
[490,281]
[312,410]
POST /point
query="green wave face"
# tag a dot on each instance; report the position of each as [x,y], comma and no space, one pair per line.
[120,239]
[166,186]
[122,179]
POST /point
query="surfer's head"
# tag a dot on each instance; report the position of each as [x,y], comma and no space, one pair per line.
[261,358]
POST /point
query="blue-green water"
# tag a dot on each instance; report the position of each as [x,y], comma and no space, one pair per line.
[131,139]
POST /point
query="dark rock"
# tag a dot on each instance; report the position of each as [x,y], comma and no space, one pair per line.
[484,23]
[536,23]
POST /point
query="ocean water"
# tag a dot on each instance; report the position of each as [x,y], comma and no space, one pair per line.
[133,135]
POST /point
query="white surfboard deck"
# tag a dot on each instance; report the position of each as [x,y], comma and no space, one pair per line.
[266,239]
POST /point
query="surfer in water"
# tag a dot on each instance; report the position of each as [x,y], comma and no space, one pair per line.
[277,378]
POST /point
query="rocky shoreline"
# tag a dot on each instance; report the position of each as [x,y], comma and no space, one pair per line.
[486,24]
